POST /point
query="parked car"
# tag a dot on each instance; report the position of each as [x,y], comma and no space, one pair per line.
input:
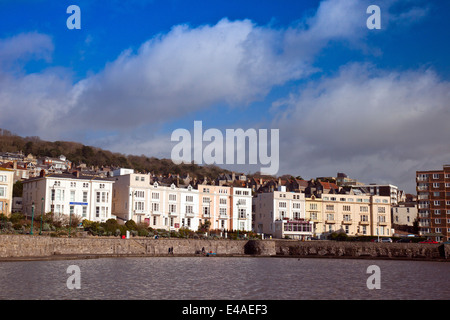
[383,240]
[404,240]
[429,241]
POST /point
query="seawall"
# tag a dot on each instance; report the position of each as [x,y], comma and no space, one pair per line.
[27,247]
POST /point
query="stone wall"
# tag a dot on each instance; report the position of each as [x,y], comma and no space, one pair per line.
[26,246]
[39,246]
[362,250]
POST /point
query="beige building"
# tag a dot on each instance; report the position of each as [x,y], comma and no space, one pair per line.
[353,214]
[404,214]
[6,191]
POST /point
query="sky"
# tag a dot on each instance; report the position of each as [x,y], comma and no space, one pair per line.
[372,103]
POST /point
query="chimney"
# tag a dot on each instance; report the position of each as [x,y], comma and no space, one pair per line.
[76,173]
[15,164]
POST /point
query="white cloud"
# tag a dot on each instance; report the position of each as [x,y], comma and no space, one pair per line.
[367,122]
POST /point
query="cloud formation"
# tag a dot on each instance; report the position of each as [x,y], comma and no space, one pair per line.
[367,122]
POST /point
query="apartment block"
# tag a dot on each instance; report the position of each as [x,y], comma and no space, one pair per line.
[88,197]
[6,191]
[281,214]
[433,203]
[136,197]
[387,190]
[353,214]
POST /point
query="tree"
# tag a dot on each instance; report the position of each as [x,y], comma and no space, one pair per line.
[18,189]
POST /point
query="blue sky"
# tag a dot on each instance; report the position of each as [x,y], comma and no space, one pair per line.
[345,98]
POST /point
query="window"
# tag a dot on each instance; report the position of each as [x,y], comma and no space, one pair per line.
[437,221]
[172,197]
[155,207]
[85,196]
[223,211]
[346,208]
[73,184]
[347,217]
[84,211]
[72,195]
[436,185]
[435,175]
[172,208]
[206,200]
[189,198]
[3,192]
[222,201]
[155,195]
[282,204]
[85,185]
[98,196]
[139,194]
[97,212]
[437,202]
[206,211]
[296,205]
[139,205]
[330,216]
[330,207]
[381,210]
[436,194]
[363,209]
[242,213]
[155,220]
[3,178]
[313,206]
[364,217]
[189,209]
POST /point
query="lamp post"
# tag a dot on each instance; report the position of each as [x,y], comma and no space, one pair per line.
[70,220]
[42,214]
[32,217]
[237,204]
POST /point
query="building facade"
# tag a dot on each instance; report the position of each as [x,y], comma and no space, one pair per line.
[68,194]
[6,191]
[136,197]
[433,203]
[404,214]
[387,190]
[281,214]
